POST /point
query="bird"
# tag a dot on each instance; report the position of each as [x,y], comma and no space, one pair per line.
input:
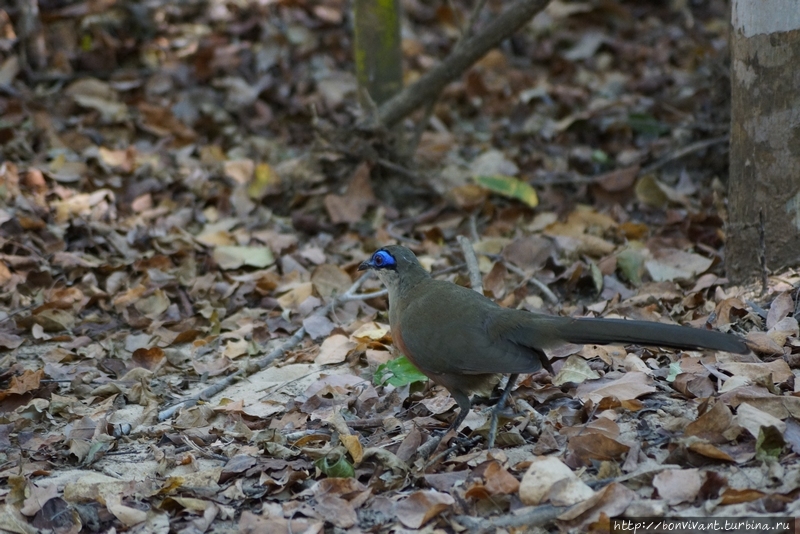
[462,340]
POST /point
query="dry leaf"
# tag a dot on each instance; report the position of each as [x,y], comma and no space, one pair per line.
[629,386]
[543,474]
[678,485]
[350,207]
[422,506]
[334,350]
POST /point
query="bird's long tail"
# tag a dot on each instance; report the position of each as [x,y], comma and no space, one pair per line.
[603,331]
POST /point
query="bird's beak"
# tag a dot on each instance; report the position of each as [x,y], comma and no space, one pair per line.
[365,265]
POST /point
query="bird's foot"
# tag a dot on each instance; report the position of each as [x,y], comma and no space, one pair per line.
[492,430]
[496,411]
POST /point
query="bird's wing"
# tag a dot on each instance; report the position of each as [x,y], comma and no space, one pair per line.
[453,330]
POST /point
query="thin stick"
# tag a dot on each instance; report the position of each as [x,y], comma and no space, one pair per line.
[473,228]
[267,360]
[532,280]
[558,178]
[475,279]
[420,127]
[683,151]
[463,444]
[422,217]
[531,516]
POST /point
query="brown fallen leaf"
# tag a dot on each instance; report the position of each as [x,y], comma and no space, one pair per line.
[762,343]
[251,523]
[335,349]
[781,306]
[737,496]
[678,485]
[498,480]
[715,425]
[350,207]
[10,341]
[422,506]
[611,501]
[542,476]
[709,451]
[596,446]
[330,280]
[627,387]
[151,359]
[778,368]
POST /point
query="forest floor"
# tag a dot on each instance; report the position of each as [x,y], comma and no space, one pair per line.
[185,195]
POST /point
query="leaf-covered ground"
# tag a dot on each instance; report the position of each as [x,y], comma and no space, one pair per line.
[185,197]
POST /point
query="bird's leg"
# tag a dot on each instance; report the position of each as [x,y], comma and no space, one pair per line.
[499,407]
[463,409]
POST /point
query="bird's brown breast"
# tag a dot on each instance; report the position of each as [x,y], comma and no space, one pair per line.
[397,340]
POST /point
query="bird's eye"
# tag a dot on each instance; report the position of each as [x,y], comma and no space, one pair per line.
[383,260]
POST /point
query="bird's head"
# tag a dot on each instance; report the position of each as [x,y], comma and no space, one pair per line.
[395,265]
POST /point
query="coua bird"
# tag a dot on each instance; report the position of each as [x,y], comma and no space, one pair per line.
[461,340]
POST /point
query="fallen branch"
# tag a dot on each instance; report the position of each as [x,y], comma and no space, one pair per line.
[530,516]
[267,360]
[432,82]
[682,152]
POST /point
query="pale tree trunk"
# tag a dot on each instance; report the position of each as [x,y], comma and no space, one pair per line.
[764,220]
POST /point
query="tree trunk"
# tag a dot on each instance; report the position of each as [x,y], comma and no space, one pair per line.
[378,57]
[764,220]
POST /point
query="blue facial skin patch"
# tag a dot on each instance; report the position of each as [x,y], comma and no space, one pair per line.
[383,260]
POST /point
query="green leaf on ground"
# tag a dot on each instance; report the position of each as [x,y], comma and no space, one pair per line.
[398,372]
[510,187]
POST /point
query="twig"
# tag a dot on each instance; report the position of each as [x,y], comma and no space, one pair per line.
[529,517]
[267,360]
[475,279]
[541,286]
[422,217]
[369,155]
[413,142]
[758,309]
[368,296]
[646,472]
[399,169]
[432,82]
[18,311]
[533,280]
[684,151]
[558,178]
[390,229]
[291,437]
[7,89]
[205,454]
[563,177]
[375,422]
[473,228]
[458,443]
